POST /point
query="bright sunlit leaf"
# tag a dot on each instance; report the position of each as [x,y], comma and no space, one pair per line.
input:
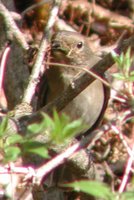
[96,189]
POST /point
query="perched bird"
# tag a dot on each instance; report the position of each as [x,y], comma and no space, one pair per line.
[73,49]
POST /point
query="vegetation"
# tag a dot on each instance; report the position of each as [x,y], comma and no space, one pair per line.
[40,146]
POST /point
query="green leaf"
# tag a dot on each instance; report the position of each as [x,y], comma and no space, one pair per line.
[119,76]
[34,128]
[93,188]
[38,128]
[73,128]
[124,62]
[131,78]
[11,153]
[120,62]
[14,139]
[59,123]
[63,129]
[48,121]
[127,61]
[58,126]
[41,151]
[115,56]
[3,126]
[132,73]
[36,148]
[127,196]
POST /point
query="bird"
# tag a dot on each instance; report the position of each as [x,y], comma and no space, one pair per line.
[73,49]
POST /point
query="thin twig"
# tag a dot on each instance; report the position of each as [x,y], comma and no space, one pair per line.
[3,65]
[90,72]
[3,100]
[36,72]
[12,29]
[126,173]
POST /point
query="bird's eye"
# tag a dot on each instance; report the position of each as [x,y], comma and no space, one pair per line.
[79,45]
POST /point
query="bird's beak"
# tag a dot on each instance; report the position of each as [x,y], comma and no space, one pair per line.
[55,45]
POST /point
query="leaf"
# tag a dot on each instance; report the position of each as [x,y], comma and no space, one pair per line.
[115,56]
[60,122]
[41,151]
[128,196]
[11,153]
[59,127]
[118,59]
[93,188]
[119,76]
[34,128]
[132,73]
[64,129]
[3,126]
[131,78]
[127,62]
[36,148]
[37,128]
[13,139]
[73,128]
[124,62]
[48,121]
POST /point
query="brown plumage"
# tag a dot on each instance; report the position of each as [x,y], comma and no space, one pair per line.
[73,48]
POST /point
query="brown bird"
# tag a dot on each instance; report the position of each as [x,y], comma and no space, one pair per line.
[73,49]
